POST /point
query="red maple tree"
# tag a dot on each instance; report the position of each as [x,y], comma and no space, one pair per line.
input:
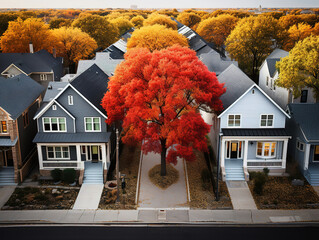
[158,96]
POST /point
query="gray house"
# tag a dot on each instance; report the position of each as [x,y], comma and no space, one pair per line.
[72,132]
[20,98]
[250,132]
[41,66]
[304,145]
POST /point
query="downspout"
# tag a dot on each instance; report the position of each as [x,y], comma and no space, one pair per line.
[218,163]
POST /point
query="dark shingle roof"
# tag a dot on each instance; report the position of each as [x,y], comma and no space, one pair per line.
[269,132]
[18,93]
[92,84]
[307,116]
[271,63]
[41,61]
[83,137]
[236,84]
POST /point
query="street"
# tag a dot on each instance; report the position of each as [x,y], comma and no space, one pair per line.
[163,232]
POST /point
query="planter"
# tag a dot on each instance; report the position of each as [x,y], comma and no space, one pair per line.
[110,185]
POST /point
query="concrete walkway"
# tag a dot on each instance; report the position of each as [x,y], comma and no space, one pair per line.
[151,196]
[240,195]
[5,194]
[89,196]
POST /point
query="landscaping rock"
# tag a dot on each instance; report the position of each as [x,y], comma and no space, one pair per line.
[297,182]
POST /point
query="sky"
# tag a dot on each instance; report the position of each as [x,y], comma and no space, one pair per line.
[159,3]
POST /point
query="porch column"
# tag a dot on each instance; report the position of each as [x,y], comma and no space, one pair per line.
[222,154]
[245,154]
[104,156]
[78,156]
[40,156]
[306,157]
[284,153]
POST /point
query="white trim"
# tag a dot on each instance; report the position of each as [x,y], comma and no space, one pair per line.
[261,138]
[92,124]
[248,90]
[12,64]
[273,120]
[43,129]
[70,100]
[234,120]
[67,112]
[298,144]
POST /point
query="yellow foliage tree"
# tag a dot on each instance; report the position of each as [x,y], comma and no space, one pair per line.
[122,24]
[189,19]
[296,33]
[137,21]
[20,33]
[217,29]
[156,18]
[156,37]
[73,45]
[301,67]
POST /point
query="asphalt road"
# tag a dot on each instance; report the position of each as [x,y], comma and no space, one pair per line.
[154,232]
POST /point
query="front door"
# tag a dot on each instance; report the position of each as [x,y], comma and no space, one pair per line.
[316,154]
[95,153]
[234,150]
[7,157]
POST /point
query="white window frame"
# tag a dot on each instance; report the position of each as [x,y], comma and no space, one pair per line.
[92,122]
[263,150]
[58,123]
[54,152]
[70,99]
[43,77]
[234,120]
[267,116]
[299,144]
[54,107]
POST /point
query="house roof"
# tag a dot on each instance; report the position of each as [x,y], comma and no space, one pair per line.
[278,53]
[82,137]
[236,84]
[268,132]
[53,89]
[6,142]
[41,61]
[92,84]
[18,93]
[272,59]
[306,115]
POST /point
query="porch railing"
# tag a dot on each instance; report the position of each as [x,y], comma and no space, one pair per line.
[264,163]
[63,164]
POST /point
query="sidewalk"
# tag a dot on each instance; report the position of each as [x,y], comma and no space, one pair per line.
[151,196]
[240,195]
[154,216]
[89,196]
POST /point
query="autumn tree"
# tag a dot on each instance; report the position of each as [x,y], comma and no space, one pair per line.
[155,37]
[122,24]
[217,29]
[296,33]
[301,67]
[137,21]
[73,45]
[158,96]
[60,22]
[189,19]
[99,28]
[5,18]
[20,33]
[160,19]
[315,29]
[252,40]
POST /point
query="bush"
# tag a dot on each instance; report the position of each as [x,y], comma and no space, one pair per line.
[205,174]
[69,175]
[56,174]
[259,182]
[266,171]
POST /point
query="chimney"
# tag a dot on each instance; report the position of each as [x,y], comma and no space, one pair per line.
[54,52]
[31,47]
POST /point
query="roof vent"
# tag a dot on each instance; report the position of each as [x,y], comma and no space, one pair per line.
[50,87]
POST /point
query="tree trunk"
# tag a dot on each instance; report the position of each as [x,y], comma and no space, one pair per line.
[163,157]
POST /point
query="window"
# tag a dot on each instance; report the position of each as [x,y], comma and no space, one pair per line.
[3,127]
[266,149]
[266,120]
[83,149]
[267,81]
[54,125]
[300,146]
[92,124]
[234,149]
[304,95]
[70,100]
[58,152]
[43,77]
[233,120]
[53,107]
[25,117]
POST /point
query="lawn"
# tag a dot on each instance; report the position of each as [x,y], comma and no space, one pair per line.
[279,193]
[37,198]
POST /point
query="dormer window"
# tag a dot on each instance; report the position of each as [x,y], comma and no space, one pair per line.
[234,120]
[70,100]
[267,120]
[43,77]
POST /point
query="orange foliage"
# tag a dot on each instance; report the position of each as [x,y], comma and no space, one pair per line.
[156,18]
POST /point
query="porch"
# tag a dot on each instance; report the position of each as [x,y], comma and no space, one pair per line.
[312,174]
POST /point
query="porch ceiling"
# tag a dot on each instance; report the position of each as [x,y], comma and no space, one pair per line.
[258,132]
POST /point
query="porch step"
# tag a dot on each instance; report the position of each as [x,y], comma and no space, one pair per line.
[313,179]
[7,177]
[93,174]
[235,174]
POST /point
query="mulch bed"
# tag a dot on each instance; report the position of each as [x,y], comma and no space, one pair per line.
[129,164]
[202,194]
[37,198]
[163,182]
[279,193]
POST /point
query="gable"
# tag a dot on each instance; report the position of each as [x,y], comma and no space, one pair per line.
[12,70]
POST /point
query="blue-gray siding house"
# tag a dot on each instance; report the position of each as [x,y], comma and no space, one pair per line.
[250,132]
[72,132]
[304,145]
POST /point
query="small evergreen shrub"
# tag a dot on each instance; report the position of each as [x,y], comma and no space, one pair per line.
[259,182]
[266,171]
[56,174]
[69,175]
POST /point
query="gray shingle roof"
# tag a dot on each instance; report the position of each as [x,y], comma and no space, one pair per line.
[273,58]
[53,89]
[236,84]
[82,137]
[6,142]
[307,116]
[269,132]
[18,93]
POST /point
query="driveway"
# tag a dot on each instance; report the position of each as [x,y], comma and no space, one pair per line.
[151,196]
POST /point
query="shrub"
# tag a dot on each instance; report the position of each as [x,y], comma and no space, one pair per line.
[266,171]
[69,175]
[259,182]
[56,174]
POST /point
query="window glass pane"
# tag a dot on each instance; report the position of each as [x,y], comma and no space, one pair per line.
[4,126]
[46,120]
[231,117]
[263,117]
[273,148]
[54,120]
[271,117]
[269,123]
[263,123]
[237,117]
[89,126]
[259,152]
[96,120]
[266,149]
[66,154]
[50,155]
[317,149]
[239,150]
